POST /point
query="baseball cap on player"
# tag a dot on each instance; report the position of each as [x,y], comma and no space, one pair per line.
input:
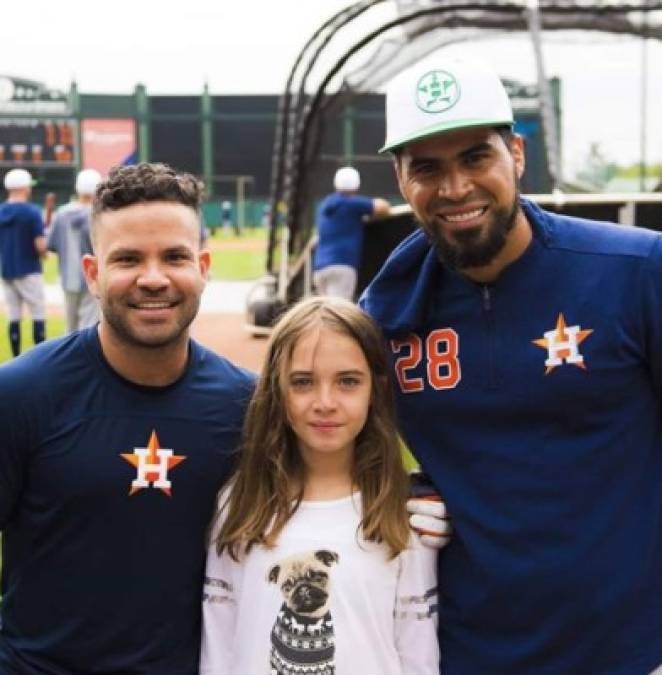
[441,95]
[347,179]
[87,181]
[17,179]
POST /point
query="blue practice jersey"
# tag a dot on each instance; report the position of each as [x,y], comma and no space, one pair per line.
[106,492]
[534,405]
[340,230]
[20,225]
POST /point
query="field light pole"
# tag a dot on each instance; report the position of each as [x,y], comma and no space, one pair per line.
[242,181]
[549,122]
[644,106]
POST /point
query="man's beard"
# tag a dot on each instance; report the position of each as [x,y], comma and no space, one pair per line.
[475,247]
[157,338]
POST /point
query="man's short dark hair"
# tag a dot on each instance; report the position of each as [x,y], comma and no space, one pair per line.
[505,131]
[146,182]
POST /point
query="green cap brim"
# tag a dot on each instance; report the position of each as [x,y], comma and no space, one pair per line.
[442,128]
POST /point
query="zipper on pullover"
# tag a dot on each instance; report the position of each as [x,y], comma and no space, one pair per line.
[487,299]
[490,337]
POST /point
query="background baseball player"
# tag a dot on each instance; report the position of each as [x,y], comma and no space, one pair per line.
[340,234]
[22,245]
[69,238]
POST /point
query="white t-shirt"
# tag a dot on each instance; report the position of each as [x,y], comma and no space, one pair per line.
[349,609]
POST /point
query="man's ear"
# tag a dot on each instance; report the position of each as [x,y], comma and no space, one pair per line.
[517,145]
[91,271]
[397,165]
[204,260]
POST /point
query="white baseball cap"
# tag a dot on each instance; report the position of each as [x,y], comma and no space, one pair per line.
[87,181]
[347,179]
[17,179]
[443,94]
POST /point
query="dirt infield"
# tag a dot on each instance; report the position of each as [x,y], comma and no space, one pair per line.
[225,334]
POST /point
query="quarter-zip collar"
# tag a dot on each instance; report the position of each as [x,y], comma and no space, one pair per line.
[401,296]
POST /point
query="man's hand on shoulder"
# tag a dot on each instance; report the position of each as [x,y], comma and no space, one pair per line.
[427,511]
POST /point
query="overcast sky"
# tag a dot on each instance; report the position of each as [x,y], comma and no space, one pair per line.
[248,46]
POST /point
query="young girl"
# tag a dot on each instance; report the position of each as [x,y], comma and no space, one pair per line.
[312,567]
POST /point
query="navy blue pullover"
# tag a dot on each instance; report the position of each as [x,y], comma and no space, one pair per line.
[534,404]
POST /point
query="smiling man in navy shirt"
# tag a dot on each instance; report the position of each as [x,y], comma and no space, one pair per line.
[113,444]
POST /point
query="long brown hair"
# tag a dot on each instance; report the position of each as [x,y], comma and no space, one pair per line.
[267,487]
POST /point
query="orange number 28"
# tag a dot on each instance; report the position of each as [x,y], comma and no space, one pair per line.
[443,365]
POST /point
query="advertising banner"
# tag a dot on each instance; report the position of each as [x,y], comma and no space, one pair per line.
[107,143]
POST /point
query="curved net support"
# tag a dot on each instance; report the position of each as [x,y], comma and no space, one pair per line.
[314,89]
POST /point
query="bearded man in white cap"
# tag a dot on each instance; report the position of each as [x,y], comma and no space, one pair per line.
[69,237]
[22,245]
[527,360]
[340,234]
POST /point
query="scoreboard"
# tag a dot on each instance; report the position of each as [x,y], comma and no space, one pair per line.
[38,142]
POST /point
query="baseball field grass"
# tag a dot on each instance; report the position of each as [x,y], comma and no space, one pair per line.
[50,269]
[54,328]
[238,258]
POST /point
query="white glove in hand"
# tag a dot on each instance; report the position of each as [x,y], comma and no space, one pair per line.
[428,518]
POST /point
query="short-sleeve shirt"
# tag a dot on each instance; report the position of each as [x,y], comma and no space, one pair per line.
[20,225]
[69,237]
[106,491]
[340,230]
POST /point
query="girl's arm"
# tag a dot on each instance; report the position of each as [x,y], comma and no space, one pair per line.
[416,610]
[219,607]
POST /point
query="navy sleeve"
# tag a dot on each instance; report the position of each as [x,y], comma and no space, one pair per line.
[651,313]
[363,205]
[14,445]
[37,223]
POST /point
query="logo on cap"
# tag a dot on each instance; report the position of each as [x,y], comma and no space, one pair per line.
[437,91]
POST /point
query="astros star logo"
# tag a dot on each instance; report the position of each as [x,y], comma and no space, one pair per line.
[437,91]
[562,344]
[152,464]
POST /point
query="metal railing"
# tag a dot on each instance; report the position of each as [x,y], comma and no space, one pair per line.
[626,215]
